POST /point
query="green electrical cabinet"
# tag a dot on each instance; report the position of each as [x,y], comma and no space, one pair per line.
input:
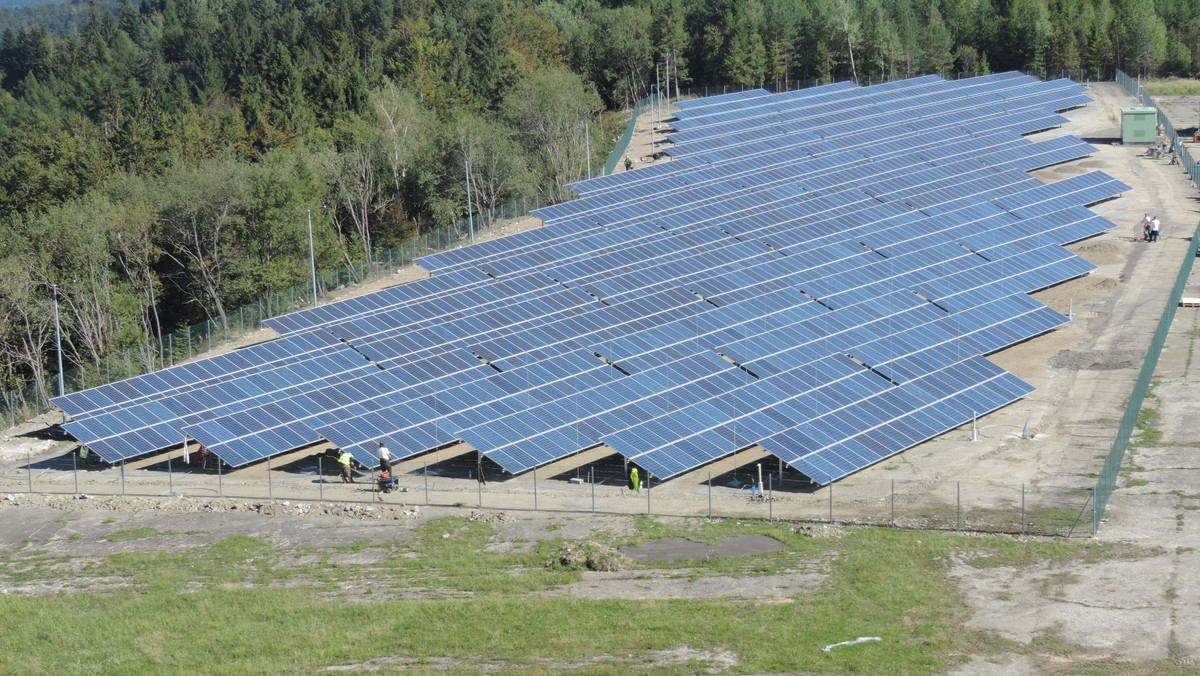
[1139,125]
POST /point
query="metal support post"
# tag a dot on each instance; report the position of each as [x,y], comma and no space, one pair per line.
[974,429]
[425,471]
[893,503]
[220,485]
[122,476]
[648,475]
[534,490]
[29,468]
[170,476]
[770,498]
[830,498]
[592,474]
[957,505]
[75,470]
[1022,510]
[270,493]
[710,495]
[320,481]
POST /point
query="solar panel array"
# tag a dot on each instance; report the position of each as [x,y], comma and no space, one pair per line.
[820,272]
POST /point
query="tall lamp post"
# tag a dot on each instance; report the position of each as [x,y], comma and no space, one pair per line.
[312,257]
[58,342]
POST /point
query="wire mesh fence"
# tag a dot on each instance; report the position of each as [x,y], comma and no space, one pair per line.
[602,488]
[1110,472]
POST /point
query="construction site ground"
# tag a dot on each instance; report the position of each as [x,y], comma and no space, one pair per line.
[1030,467]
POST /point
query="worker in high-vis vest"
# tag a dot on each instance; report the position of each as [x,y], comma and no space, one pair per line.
[344,460]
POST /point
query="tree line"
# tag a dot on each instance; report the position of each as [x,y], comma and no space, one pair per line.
[163,154]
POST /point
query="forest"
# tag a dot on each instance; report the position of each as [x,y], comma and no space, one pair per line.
[157,160]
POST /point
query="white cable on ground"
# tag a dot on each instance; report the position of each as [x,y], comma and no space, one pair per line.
[860,639]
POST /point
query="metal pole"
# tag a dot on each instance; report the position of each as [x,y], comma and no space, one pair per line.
[75,471]
[770,498]
[270,493]
[1022,510]
[710,495]
[647,491]
[592,473]
[29,469]
[534,490]
[830,498]
[587,139]
[312,258]
[170,475]
[893,503]
[122,476]
[220,485]
[57,341]
[320,480]
[470,216]
[958,505]
[425,465]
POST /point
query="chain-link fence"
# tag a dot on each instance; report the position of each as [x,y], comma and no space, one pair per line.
[1111,470]
[601,487]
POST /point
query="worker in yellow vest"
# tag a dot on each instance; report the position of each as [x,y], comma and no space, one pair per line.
[345,460]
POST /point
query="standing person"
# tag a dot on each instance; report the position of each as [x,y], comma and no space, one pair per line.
[1146,221]
[634,482]
[385,459]
[345,459]
[628,164]
[1155,229]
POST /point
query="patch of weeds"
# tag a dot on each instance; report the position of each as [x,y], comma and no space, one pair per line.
[892,467]
[75,536]
[554,525]
[134,534]
[1170,594]
[109,521]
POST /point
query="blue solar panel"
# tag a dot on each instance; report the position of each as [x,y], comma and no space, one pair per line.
[818,272]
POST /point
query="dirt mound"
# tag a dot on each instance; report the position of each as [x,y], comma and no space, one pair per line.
[819,531]
[491,517]
[1100,252]
[589,555]
[1092,360]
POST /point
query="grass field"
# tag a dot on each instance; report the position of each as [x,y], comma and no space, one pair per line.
[443,604]
[1173,87]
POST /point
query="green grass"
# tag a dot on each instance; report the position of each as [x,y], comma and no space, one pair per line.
[1173,87]
[133,534]
[880,582]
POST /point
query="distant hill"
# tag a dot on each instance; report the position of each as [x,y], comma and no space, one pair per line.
[59,17]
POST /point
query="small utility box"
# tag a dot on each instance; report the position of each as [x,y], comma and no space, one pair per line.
[1139,125]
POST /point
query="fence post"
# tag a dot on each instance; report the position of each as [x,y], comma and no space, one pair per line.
[710,494]
[75,470]
[320,481]
[122,476]
[648,475]
[592,474]
[893,503]
[770,498]
[830,499]
[534,491]
[1022,510]
[425,471]
[270,493]
[170,476]
[957,505]
[29,468]
[220,485]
